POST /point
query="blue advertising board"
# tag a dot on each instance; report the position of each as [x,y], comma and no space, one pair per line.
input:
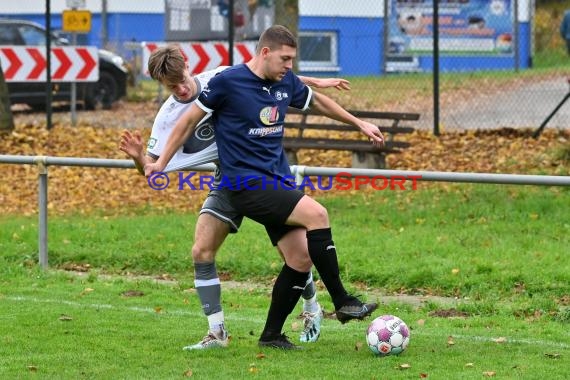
[466,27]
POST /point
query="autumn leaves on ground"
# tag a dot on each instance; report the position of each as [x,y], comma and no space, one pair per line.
[114,191]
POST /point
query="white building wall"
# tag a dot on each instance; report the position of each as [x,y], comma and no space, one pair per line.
[354,8]
[346,8]
[327,8]
[95,6]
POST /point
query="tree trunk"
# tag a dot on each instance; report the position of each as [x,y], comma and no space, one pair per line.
[287,14]
[6,120]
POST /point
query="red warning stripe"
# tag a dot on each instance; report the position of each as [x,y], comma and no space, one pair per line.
[65,63]
[15,63]
[90,63]
[40,63]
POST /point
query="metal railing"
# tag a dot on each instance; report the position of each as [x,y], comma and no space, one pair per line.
[299,171]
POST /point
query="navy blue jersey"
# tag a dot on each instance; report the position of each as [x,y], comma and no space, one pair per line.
[248,117]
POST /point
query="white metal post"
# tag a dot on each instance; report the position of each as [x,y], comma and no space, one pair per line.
[41,161]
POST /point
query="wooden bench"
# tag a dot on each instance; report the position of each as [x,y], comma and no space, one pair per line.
[364,154]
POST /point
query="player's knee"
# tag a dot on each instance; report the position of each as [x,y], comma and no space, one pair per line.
[305,263]
[300,260]
[320,215]
[202,254]
[300,263]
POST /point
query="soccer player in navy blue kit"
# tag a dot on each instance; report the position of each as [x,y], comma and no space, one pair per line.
[249,103]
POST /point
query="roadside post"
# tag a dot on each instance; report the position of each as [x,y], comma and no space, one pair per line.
[75,21]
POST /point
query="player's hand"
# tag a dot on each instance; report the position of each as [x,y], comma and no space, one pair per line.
[373,133]
[338,83]
[131,144]
[154,167]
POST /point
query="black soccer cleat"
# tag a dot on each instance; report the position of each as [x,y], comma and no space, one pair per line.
[353,308]
[278,341]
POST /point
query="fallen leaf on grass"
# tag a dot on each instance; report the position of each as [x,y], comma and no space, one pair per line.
[450,341]
[260,355]
[158,309]
[553,355]
[86,291]
[65,318]
[469,365]
[500,340]
[253,368]
[448,313]
[489,373]
[423,375]
[295,326]
[164,277]
[358,346]
[404,366]
[132,293]
[421,322]
[32,368]
[188,373]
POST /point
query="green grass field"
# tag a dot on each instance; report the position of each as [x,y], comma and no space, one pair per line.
[487,265]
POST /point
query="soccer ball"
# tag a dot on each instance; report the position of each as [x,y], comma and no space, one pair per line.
[387,335]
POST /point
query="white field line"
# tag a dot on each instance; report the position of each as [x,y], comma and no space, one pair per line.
[334,326]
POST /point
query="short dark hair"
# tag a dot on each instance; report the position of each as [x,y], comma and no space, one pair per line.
[275,37]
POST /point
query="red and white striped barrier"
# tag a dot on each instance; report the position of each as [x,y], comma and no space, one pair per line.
[68,63]
[203,56]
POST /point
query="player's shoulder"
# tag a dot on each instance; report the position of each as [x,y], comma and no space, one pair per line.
[169,103]
[235,71]
[205,76]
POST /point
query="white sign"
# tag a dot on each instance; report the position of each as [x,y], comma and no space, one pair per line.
[75,3]
[203,56]
[69,63]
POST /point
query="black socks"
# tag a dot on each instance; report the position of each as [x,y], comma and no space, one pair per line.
[286,293]
[323,255]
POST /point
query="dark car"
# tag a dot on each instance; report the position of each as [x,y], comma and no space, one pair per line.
[112,84]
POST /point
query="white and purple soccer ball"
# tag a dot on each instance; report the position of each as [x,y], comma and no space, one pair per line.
[387,335]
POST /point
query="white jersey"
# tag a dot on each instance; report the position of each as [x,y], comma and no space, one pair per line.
[166,119]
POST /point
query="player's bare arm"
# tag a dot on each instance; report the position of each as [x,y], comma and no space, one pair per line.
[181,132]
[338,83]
[332,109]
[132,145]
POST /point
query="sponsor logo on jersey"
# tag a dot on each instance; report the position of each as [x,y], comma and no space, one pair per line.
[151,143]
[204,132]
[265,131]
[281,95]
[269,115]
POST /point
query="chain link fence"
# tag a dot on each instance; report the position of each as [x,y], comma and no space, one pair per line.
[502,63]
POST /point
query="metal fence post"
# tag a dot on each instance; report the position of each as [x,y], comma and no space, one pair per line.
[41,161]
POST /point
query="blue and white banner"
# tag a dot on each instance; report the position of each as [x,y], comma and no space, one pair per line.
[466,27]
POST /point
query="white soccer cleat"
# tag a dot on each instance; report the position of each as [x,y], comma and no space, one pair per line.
[312,326]
[210,341]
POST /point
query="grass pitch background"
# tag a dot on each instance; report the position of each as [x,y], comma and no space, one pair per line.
[498,255]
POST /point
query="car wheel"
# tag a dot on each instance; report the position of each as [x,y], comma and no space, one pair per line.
[102,93]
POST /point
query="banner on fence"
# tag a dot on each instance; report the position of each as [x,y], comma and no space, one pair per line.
[203,56]
[466,27]
[68,63]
